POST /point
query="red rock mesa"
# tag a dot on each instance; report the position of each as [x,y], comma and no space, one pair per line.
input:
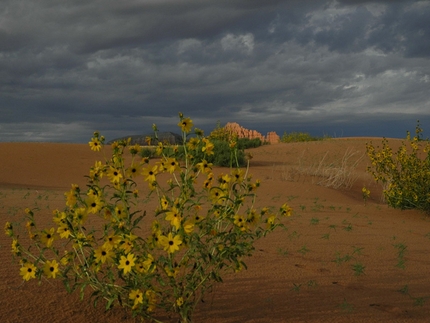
[242,132]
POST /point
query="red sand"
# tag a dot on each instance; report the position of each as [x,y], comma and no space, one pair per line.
[292,276]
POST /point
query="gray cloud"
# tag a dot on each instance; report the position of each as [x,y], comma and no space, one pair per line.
[69,68]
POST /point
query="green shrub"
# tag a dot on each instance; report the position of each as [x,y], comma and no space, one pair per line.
[198,232]
[300,137]
[405,174]
[245,143]
[147,152]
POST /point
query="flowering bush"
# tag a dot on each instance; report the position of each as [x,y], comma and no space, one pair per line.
[404,174]
[202,228]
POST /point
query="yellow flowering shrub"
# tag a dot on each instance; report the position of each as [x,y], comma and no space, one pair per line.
[405,174]
[203,226]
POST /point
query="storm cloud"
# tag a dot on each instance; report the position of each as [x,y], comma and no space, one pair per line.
[343,68]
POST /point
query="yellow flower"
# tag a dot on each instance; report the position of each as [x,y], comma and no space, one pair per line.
[112,242]
[240,221]
[136,295]
[159,149]
[28,271]
[59,217]
[224,180]
[174,216]
[217,195]
[186,125]
[271,221]
[172,165]
[170,243]
[134,149]
[126,263]
[94,193]
[71,199]
[94,204]
[127,246]
[149,264]
[286,210]
[8,229]
[95,144]
[172,272]
[120,211]
[103,254]
[192,143]
[133,170]
[68,256]
[15,247]
[47,237]
[253,217]
[63,231]
[51,268]
[149,173]
[152,300]
[208,148]
[96,172]
[197,218]
[80,215]
[164,203]
[238,175]
[188,227]
[114,175]
[204,166]
[180,301]
[366,193]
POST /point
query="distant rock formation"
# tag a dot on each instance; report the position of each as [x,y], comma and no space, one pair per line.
[242,132]
[164,137]
[273,137]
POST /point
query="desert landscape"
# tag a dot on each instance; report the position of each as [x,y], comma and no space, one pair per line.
[341,259]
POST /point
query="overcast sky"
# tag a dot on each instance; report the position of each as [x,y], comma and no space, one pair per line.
[342,68]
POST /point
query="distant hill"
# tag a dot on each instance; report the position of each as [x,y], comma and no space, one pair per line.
[165,137]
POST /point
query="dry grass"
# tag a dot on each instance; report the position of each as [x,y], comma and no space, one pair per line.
[328,171]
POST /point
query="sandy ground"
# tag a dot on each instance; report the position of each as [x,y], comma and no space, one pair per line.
[299,275]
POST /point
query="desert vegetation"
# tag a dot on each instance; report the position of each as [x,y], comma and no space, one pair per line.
[404,174]
[301,137]
[198,232]
[155,235]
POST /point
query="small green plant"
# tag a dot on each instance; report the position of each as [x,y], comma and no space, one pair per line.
[283,252]
[303,250]
[312,284]
[315,221]
[404,174]
[401,249]
[418,301]
[346,307]
[358,269]
[296,287]
[325,236]
[104,243]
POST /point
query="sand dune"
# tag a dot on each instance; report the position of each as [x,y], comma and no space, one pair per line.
[294,276]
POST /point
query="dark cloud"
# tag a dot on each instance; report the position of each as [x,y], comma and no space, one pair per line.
[68,68]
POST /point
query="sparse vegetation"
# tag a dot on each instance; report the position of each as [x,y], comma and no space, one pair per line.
[300,137]
[405,174]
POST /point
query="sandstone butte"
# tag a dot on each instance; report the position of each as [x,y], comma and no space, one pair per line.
[242,132]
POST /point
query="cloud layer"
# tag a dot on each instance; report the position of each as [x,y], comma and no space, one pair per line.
[342,68]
